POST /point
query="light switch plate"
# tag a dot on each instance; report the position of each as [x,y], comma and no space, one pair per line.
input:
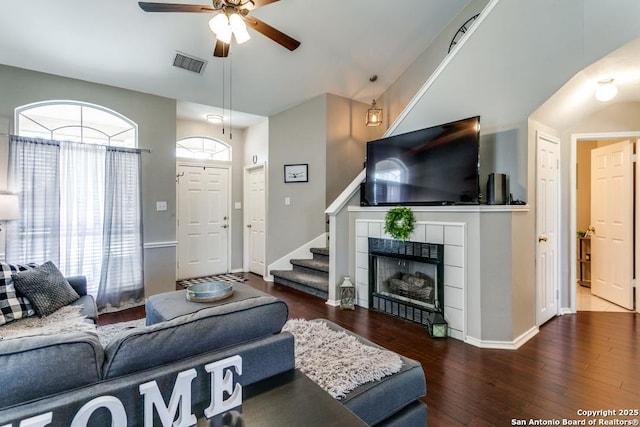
[287,201]
[237,205]
[161,206]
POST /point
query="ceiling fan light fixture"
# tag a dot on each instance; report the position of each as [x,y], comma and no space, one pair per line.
[606,90]
[239,28]
[225,35]
[219,24]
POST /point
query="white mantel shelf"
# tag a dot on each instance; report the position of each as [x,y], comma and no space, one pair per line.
[447,208]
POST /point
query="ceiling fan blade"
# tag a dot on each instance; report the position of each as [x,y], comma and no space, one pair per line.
[254,4]
[275,35]
[172,7]
[221,50]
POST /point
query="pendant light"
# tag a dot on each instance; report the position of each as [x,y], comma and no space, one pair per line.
[374,114]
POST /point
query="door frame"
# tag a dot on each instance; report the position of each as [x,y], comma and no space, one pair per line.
[575,139]
[218,164]
[245,218]
[558,215]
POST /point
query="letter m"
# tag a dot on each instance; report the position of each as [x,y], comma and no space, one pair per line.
[180,395]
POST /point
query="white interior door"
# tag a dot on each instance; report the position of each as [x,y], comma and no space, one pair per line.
[612,223]
[203,225]
[547,218]
[256,221]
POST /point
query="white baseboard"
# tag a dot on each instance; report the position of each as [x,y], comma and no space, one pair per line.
[333,303]
[237,270]
[504,345]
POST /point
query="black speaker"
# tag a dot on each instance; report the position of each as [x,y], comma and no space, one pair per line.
[497,189]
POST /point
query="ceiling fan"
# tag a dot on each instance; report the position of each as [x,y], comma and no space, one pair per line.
[232,18]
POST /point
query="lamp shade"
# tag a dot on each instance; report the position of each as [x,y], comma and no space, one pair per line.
[239,28]
[9,207]
[219,23]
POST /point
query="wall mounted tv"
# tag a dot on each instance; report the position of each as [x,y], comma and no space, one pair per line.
[438,165]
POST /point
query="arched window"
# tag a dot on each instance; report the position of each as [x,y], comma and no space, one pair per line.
[203,148]
[391,176]
[76,121]
[77,171]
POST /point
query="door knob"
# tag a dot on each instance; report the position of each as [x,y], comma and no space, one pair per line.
[542,238]
[225,226]
[248,225]
[592,229]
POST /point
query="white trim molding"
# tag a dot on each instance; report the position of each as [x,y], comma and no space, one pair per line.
[159,245]
[504,345]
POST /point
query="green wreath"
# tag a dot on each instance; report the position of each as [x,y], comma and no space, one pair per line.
[399,223]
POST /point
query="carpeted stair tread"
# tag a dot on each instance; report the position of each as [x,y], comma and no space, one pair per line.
[320,251]
[307,279]
[312,264]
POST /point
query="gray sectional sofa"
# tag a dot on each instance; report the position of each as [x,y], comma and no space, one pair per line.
[56,376]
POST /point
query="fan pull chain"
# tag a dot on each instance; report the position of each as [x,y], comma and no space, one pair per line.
[223,64]
[230,97]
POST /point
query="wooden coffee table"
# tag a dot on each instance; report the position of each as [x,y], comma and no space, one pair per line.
[289,399]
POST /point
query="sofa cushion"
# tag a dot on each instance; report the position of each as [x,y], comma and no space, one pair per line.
[46,288]
[13,306]
[33,367]
[210,329]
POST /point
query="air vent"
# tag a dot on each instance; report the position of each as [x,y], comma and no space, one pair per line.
[189,63]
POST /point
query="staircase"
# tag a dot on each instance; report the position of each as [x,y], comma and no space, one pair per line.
[308,275]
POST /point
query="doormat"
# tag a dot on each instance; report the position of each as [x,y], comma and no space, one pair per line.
[228,277]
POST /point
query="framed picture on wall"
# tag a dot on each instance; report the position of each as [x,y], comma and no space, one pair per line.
[296,173]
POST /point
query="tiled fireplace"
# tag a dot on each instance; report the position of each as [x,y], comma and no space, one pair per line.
[429,272]
[406,278]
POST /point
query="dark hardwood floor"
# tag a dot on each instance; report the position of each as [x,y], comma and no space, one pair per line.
[588,361]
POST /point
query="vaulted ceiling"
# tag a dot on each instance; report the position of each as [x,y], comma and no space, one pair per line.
[114,42]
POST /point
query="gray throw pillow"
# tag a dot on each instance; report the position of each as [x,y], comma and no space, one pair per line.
[46,288]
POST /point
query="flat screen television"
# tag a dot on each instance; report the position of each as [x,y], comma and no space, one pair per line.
[438,165]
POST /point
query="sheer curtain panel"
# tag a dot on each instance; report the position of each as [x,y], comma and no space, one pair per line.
[34,175]
[122,264]
[81,209]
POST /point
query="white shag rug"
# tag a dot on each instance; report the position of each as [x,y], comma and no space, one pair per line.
[66,319]
[337,361]
[106,333]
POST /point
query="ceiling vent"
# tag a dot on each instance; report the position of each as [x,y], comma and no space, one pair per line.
[189,63]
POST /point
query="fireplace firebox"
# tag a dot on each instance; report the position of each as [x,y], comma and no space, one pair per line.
[406,278]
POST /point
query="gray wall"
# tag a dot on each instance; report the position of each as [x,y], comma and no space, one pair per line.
[507,69]
[329,133]
[297,135]
[156,119]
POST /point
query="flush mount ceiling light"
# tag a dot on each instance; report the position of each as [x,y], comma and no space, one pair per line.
[214,118]
[606,90]
[374,114]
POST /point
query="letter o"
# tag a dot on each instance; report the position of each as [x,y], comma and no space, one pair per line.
[111,403]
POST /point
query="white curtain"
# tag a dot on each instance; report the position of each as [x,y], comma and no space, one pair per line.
[34,174]
[95,229]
